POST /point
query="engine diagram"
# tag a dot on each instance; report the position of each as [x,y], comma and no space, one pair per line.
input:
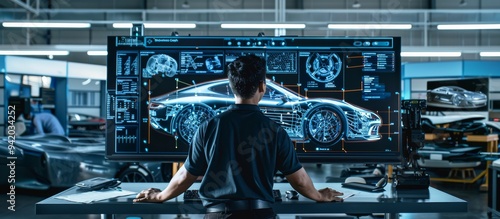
[160,64]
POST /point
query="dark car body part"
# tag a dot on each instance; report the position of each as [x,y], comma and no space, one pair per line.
[49,161]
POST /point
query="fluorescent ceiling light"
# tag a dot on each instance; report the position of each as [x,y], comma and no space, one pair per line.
[46,24]
[489,54]
[169,25]
[370,26]
[97,53]
[431,54]
[34,52]
[122,25]
[157,25]
[263,26]
[468,26]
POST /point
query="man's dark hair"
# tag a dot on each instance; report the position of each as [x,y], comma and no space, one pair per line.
[245,74]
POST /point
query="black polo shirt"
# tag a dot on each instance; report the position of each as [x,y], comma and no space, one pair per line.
[238,152]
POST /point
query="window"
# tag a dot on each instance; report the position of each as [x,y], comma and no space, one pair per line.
[84,98]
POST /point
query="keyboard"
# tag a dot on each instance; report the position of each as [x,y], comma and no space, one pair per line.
[192,195]
[363,187]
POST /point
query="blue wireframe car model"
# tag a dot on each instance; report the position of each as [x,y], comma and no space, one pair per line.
[447,96]
[323,121]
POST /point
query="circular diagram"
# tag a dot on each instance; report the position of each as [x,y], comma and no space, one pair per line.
[325,125]
[323,68]
[161,64]
[190,118]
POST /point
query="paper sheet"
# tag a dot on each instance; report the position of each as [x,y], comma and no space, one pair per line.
[93,196]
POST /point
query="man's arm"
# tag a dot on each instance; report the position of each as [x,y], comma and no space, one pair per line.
[38,126]
[302,183]
[180,182]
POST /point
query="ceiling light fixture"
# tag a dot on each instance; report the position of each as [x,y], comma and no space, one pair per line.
[157,25]
[371,26]
[97,53]
[356,4]
[468,26]
[263,26]
[122,25]
[34,52]
[169,25]
[489,54]
[431,54]
[46,24]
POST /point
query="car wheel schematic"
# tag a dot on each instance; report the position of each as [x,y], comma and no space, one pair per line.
[190,118]
[325,125]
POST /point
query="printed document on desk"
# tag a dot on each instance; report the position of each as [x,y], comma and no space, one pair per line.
[93,196]
[352,194]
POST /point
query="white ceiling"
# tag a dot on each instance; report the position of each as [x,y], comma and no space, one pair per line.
[424,15]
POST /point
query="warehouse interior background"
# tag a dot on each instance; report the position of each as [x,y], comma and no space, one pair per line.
[73,59]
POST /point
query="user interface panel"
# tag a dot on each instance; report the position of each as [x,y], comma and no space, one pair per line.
[338,98]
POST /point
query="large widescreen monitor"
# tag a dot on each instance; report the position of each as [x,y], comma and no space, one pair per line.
[337,97]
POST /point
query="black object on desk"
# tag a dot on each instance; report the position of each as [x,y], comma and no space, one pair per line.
[363,187]
[98,183]
[192,195]
[292,194]
[277,195]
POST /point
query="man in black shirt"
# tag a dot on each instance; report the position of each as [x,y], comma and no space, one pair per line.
[238,153]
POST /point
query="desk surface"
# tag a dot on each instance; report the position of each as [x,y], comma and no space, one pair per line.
[389,201]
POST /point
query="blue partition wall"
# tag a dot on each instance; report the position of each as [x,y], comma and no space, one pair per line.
[445,70]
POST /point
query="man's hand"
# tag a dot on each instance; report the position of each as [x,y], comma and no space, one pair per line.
[329,195]
[149,195]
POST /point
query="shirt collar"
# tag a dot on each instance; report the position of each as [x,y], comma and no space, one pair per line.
[244,107]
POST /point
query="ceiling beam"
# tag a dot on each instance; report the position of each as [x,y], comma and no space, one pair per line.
[27,6]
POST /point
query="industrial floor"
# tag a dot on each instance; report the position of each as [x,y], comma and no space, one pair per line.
[477,201]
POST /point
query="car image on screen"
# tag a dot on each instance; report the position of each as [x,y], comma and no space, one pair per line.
[322,121]
[455,96]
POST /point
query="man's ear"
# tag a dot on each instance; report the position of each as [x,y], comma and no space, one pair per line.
[262,87]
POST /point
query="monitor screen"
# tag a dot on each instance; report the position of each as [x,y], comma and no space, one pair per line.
[458,95]
[338,98]
[48,96]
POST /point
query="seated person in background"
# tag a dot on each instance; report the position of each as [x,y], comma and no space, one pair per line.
[20,125]
[238,152]
[45,123]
